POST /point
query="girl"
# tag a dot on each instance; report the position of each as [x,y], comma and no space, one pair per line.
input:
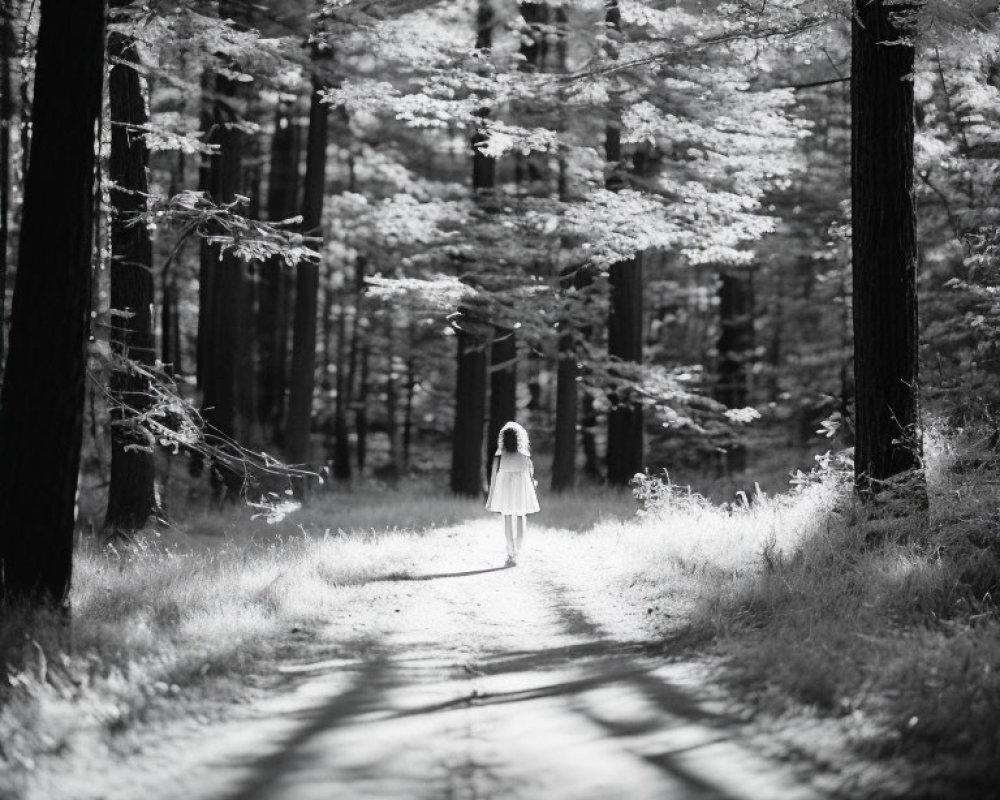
[512,485]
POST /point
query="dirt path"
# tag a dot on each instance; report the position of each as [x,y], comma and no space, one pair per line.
[463,680]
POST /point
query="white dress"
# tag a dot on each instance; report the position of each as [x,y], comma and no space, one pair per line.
[512,490]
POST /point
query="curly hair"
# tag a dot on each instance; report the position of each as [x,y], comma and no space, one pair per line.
[513,439]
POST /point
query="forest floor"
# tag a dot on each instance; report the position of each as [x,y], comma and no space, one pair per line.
[458,678]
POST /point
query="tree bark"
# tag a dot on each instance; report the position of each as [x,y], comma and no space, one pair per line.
[567,395]
[275,279]
[625,456]
[6,116]
[472,332]
[131,492]
[884,249]
[470,406]
[503,386]
[736,338]
[41,409]
[224,351]
[303,376]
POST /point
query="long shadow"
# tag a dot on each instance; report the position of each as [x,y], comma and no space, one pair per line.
[403,576]
[371,679]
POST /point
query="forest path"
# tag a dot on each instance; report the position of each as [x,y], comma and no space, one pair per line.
[469,680]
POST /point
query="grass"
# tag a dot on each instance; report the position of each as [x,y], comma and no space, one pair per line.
[885,628]
[887,625]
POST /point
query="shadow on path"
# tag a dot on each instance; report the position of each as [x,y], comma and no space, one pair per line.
[402,576]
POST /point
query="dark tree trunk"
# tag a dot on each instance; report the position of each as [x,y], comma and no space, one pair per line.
[393,428]
[225,322]
[503,386]
[473,334]
[361,408]
[884,249]
[6,115]
[204,347]
[411,390]
[303,375]
[170,326]
[41,410]
[275,280]
[567,368]
[735,348]
[470,406]
[340,449]
[736,338]
[567,396]
[625,456]
[342,465]
[131,492]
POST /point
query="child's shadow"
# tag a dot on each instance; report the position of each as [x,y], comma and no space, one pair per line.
[406,576]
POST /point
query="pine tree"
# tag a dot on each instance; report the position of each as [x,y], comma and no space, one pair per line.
[131,491]
[41,405]
[884,247]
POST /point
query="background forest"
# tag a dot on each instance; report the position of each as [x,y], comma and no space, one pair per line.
[630,221]
[317,253]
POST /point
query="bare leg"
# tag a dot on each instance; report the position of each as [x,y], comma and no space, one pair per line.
[508,530]
[522,526]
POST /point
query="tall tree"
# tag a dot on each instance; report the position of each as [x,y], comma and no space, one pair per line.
[225,295]
[41,405]
[6,116]
[275,283]
[625,456]
[303,375]
[884,246]
[503,385]
[473,336]
[131,492]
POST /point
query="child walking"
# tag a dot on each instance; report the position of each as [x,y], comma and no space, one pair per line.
[512,486]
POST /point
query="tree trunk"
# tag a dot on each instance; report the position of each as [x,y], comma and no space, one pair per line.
[275,284]
[472,333]
[625,456]
[224,351]
[303,376]
[411,389]
[735,348]
[361,408]
[393,428]
[470,406]
[736,338]
[131,492]
[340,453]
[6,115]
[884,249]
[503,386]
[567,396]
[41,410]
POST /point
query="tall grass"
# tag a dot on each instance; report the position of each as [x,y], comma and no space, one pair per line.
[889,623]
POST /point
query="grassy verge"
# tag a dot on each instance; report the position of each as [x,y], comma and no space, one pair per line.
[886,628]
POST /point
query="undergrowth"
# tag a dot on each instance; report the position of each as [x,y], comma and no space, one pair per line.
[889,621]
